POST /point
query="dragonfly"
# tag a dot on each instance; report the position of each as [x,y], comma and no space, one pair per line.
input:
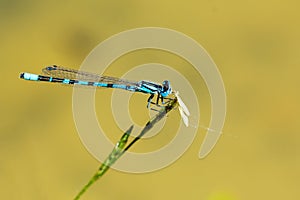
[67,76]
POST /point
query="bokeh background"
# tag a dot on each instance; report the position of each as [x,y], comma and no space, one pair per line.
[255,44]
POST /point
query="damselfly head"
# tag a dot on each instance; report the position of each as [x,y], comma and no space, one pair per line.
[166,88]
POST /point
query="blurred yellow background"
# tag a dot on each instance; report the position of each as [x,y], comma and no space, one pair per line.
[255,44]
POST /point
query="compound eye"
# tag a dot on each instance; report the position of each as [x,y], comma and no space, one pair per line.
[166,85]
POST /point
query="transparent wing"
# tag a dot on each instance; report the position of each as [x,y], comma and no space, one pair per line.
[184,117]
[62,72]
[183,106]
[183,110]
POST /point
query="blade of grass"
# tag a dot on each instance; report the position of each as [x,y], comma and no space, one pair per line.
[120,148]
[111,159]
[161,113]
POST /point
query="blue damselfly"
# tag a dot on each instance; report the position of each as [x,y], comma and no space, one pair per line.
[66,76]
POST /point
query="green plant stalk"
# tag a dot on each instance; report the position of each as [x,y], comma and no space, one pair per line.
[161,114]
[120,148]
[111,159]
